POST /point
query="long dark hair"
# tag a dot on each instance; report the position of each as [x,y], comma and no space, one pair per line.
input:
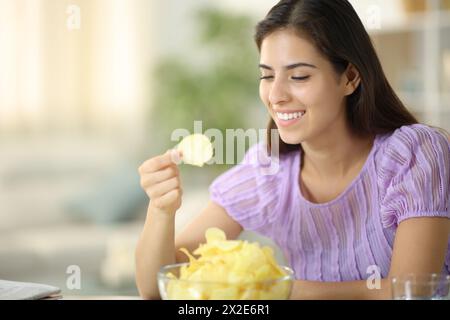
[337,32]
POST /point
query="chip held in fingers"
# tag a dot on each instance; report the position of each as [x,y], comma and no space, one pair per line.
[196,149]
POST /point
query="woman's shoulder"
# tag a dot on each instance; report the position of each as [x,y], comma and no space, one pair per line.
[413,173]
[413,148]
[408,141]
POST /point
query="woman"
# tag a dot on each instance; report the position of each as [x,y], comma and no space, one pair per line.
[361,185]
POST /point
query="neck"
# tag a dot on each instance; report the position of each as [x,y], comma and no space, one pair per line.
[335,154]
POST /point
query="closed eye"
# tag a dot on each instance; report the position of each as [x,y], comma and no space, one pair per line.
[293,78]
[300,78]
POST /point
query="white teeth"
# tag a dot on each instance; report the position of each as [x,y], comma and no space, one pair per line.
[290,116]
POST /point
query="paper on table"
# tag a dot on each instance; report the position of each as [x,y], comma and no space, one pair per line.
[14,290]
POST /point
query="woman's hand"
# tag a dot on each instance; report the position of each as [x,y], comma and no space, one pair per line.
[160,179]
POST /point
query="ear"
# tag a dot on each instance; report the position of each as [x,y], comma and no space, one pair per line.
[352,79]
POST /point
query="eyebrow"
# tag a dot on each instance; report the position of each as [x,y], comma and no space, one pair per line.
[291,66]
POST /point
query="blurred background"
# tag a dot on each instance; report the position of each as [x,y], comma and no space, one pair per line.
[89,89]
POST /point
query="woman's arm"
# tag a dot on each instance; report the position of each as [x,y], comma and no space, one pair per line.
[420,247]
[347,290]
[157,247]
[161,181]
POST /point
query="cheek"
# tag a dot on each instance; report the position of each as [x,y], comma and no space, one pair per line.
[304,93]
[320,96]
[264,93]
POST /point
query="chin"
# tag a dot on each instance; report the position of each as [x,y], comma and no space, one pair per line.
[290,138]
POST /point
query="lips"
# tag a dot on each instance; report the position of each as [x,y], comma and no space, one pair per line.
[289,115]
[286,118]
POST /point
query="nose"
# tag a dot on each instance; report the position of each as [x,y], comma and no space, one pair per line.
[278,92]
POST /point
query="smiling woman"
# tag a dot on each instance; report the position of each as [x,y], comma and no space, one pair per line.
[362,187]
[331,60]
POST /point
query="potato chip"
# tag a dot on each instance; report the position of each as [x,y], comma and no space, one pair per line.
[215,234]
[196,149]
[229,269]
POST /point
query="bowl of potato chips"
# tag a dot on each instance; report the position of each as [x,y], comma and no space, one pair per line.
[226,270]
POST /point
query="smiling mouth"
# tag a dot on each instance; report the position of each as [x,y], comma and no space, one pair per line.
[289,116]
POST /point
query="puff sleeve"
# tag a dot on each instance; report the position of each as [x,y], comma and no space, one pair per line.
[415,175]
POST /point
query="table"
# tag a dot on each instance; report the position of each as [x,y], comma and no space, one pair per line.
[101,298]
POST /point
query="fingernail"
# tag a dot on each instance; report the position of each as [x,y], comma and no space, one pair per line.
[175,156]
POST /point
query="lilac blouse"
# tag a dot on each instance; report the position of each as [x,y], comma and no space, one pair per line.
[406,175]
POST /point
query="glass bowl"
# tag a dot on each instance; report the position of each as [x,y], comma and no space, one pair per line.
[171,288]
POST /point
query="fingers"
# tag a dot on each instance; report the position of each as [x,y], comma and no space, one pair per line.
[160,162]
[167,199]
[162,188]
[160,178]
[149,179]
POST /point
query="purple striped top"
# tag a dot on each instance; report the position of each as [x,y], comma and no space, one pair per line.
[407,174]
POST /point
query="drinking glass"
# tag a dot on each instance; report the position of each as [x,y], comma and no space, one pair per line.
[421,287]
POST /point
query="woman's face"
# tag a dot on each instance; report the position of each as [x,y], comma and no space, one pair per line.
[304,95]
